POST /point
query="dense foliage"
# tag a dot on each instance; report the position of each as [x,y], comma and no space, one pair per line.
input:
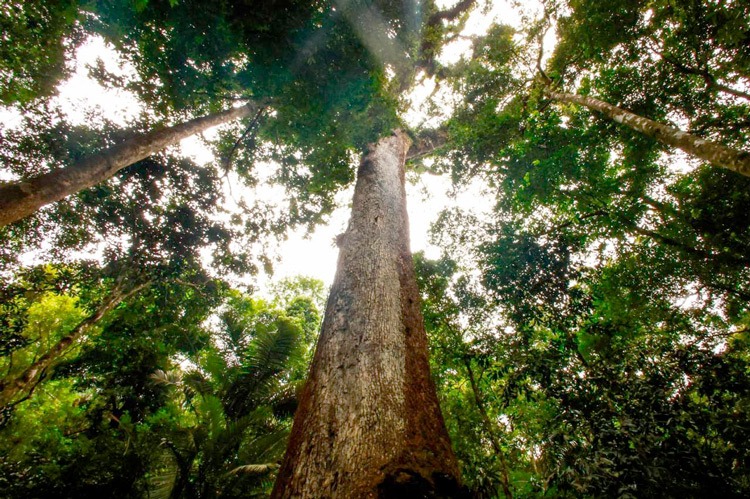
[589,330]
[162,398]
[591,334]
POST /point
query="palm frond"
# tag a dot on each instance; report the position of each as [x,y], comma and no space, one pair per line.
[254,469]
[211,412]
[268,357]
[161,481]
[269,351]
[268,446]
[284,401]
[196,382]
[214,364]
[167,378]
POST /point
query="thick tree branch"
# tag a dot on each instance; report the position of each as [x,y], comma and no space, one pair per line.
[427,143]
[706,150]
[434,24]
[21,199]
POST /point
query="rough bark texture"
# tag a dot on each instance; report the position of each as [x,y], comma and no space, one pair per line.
[369,423]
[25,381]
[21,199]
[712,152]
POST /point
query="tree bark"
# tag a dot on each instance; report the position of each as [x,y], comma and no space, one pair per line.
[29,377]
[712,152]
[368,423]
[21,199]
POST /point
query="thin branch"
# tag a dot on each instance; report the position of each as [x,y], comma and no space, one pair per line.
[252,127]
[76,432]
[723,287]
[229,98]
[569,223]
[706,124]
[429,46]
[31,376]
[546,79]
[28,395]
[489,428]
[427,144]
[451,14]
[708,78]
[696,252]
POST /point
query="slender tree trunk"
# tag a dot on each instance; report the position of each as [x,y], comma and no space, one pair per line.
[29,377]
[712,152]
[490,429]
[21,199]
[368,423]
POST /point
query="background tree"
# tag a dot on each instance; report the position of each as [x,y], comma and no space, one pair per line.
[153,228]
[228,426]
[676,62]
[211,421]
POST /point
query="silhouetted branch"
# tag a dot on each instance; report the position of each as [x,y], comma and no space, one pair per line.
[427,143]
[451,14]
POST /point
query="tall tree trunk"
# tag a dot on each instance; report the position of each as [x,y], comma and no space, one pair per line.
[25,381]
[712,152]
[368,423]
[21,199]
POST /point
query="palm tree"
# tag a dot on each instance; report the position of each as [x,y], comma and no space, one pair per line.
[233,408]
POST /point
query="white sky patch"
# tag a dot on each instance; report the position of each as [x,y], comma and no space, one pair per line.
[480,20]
[9,118]
[424,201]
[81,94]
[316,254]
[194,147]
[678,162]
[313,255]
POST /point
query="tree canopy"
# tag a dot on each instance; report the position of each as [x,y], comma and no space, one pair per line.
[588,324]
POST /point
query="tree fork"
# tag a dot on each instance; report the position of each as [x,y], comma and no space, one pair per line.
[21,199]
[368,423]
[707,150]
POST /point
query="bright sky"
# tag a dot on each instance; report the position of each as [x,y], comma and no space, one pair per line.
[313,255]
